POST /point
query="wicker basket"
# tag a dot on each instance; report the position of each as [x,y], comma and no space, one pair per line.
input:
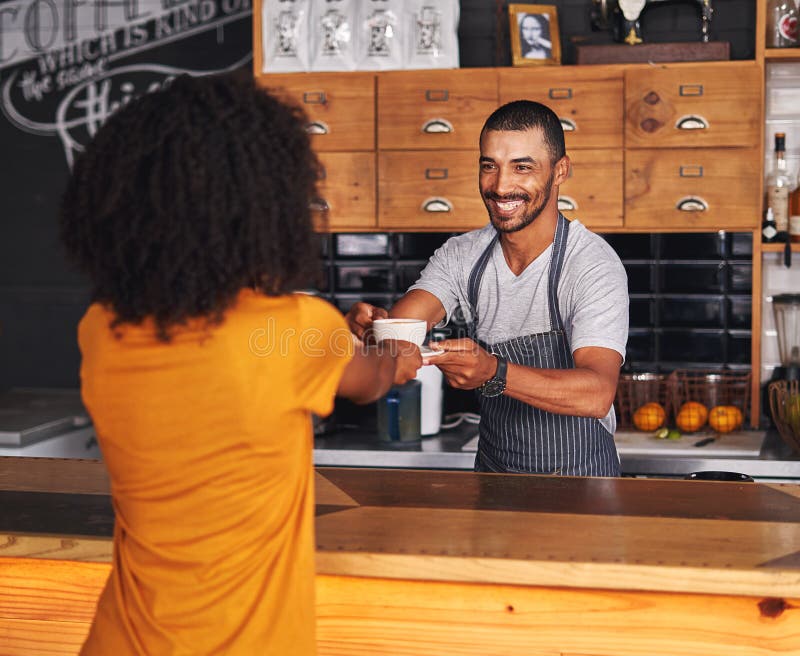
[784,404]
[634,390]
[711,388]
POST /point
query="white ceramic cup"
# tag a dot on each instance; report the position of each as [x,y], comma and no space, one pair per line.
[409,330]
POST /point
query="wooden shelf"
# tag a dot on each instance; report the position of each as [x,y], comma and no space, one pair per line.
[778,248]
[782,54]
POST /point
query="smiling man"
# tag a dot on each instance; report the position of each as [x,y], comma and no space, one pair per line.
[546,305]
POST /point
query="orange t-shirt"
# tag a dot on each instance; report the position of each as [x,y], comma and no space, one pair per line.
[208,443]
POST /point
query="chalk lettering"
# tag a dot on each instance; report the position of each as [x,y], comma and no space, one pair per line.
[133,35]
[130,8]
[34,29]
[33,88]
[12,12]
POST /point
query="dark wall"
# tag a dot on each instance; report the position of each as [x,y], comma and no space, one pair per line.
[42,298]
[44,111]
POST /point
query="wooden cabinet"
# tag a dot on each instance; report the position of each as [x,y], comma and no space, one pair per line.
[698,188]
[652,147]
[593,191]
[587,100]
[346,199]
[432,110]
[429,190]
[712,105]
[340,107]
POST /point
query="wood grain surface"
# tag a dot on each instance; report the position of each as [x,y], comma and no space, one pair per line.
[445,563]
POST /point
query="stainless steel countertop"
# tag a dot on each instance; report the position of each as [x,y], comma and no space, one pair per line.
[361,448]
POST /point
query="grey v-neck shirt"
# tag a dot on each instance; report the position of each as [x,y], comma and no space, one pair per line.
[592,291]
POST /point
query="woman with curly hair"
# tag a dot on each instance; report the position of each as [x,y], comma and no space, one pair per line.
[201,367]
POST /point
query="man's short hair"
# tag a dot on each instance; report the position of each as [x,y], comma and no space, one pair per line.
[521,115]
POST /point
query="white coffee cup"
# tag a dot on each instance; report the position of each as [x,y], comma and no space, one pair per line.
[409,330]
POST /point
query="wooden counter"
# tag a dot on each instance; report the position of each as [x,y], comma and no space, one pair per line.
[430,562]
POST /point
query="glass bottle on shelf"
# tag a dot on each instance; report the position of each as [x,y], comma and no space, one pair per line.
[782,19]
[779,186]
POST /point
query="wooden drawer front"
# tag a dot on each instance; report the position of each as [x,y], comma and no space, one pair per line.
[593,192]
[348,189]
[657,181]
[724,98]
[434,109]
[341,107]
[410,181]
[588,102]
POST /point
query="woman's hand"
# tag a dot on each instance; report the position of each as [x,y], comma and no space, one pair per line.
[360,317]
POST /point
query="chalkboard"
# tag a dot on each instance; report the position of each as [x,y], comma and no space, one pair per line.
[64,67]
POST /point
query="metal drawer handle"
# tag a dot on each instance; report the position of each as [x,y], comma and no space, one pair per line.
[318,204]
[435,125]
[564,93]
[436,174]
[690,90]
[691,171]
[437,204]
[317,127]
[568,125]
[437,95]
[314,97]
[692,204]
[692,122]
[567,204]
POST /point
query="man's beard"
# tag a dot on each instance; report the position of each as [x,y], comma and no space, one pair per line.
[500,224]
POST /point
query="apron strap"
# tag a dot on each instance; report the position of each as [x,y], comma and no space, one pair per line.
[475,277]
[556,264]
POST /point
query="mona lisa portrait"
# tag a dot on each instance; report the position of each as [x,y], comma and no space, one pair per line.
[534,35]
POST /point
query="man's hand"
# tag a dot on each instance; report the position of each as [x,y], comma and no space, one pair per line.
[407,359]
[361,316]
[465,365]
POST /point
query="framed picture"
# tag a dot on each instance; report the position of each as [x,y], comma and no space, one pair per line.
[534,35]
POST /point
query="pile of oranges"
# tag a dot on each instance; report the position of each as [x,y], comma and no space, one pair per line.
[691,417]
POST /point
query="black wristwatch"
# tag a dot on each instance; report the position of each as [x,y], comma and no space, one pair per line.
[496,385]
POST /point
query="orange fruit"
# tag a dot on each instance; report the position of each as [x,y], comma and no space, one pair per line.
[691,416]
[649,417]
[725,418]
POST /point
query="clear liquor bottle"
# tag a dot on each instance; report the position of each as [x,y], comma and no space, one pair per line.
[779,185]
[782,16]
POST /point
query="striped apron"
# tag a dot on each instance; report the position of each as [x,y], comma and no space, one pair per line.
[517,437]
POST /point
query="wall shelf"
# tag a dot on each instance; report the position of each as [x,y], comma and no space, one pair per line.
[782,54]
[778,248]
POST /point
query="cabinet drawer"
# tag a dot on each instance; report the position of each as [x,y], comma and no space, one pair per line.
[434,109]
[340,108]
[429,191]
[588,102]
[348,191]
[593,191]
[702,106]
[659,182]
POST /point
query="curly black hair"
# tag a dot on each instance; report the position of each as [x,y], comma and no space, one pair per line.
[189,194]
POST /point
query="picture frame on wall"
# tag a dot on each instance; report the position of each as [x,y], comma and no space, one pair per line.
[534,35]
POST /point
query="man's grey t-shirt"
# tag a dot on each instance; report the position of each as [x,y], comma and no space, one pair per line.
[592,291]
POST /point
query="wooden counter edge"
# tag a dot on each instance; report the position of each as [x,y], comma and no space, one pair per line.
[455,569]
